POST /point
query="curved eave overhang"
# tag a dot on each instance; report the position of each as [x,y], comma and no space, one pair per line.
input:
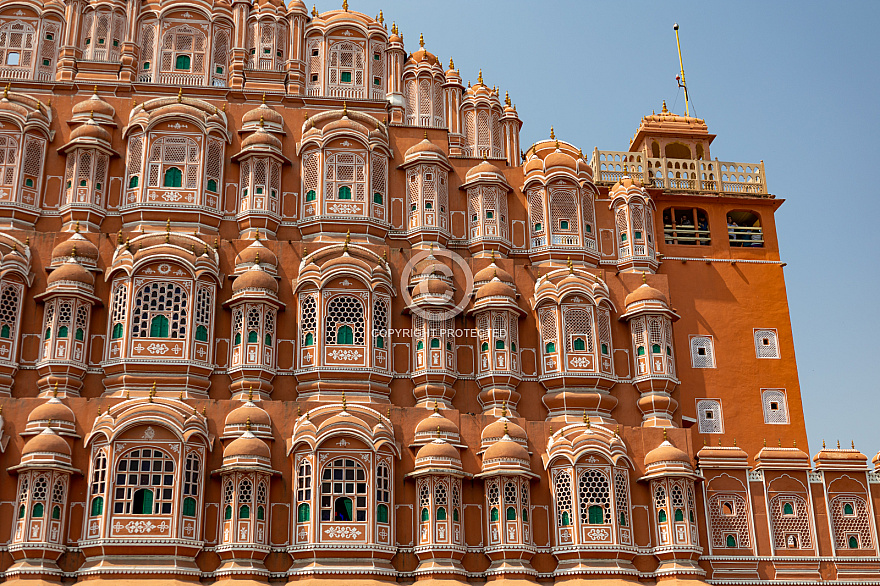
[43,466]
[261,151]
[438,471]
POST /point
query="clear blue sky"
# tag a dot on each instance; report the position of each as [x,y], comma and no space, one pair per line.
[796,84]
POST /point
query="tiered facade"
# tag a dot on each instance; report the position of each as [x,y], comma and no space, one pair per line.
[282,301]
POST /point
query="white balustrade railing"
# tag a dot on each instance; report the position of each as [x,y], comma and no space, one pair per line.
[356,92]
[14,73]
[179,79]
[680,174]
[565,240]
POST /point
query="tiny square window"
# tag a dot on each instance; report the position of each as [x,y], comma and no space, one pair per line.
[563,224]
[30,183]
[345,77]
[413,207]
[765,341]
[314,77]
[638,234]
[701,351]
[774,406]
[314,52]
[12,58]
[727,509]
[100,41]
[474,218]
[146,65]
[377,81]
[538,227]
[376,57]
[219,70]
[429,176]
[490,215]
[46,62]
[88,41]
[709,414]
[115,42]
[50,36]
[429,205]
[267,51]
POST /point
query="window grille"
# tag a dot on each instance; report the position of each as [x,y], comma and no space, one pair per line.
[380,323]
[245,491]
[58,491]
[204,305]
[99,478]
[621,497]
[191,476]
[23,493]
[8,159]
[766,344]
[563,498]
[383,484]
[165,298]
[10,294]
[343,491]
[214,165]
[548,325]
[709,416]
[229,492]
[594,490]
[563,206]
[578,322]
[304,482]
[174,152]
[775,406]
[17,42]
[315,66]
[702,352]
[183,53]
[660,500]
[345,310]
[346,70]
[345,170]
[308,318]
[135,157]
[41,489]
[147,63]
[149,469]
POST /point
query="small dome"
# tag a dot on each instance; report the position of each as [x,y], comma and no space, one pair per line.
[426,146]
[484,168]
[248,413]
[573,280]
[666,452]
[625,183]
[247,445]
[423,55]
[438,449]
[261,138]
[257,251]
[71,271]
[47,441]
[506,449]
[490,272]
[347,124]
[76,246]
[432,286]
[90,130]
[255,278]
[504,427]
[645,293]
[263,112]
[560,159]
[496,288]
[94,105]
[435,422]
[54,411]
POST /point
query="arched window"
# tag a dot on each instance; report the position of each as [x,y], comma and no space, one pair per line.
[441,513]
[202,334]
[679,515]
[511,514]
[345,192]
[580,344]
[173,177]
[346,70]
[138,493]
[343,491]
[853,542]
[97,506]
[744,229]
[435,342]
[345,321]
[425,515]
[303,513]
[63,331]
[184,47]
[17,44]
[848,509]
[661,516]
[177,159]
[787,509]
[159,327]
[310,340]
[596,515]
[563,498]
[189,507]
[655,348]
[731,541]
[549,348]
[252,337]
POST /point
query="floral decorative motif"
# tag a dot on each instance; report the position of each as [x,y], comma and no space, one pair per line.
[598,534]
[581,362]
[157,348]
[345,355]
[339,532]
[344,208]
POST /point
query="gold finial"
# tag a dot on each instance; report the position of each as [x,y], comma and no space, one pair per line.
[436,407]
[480,77]
[347,240]
[438,430]
[257,236]
[344,108]
[224,107]
[506,98]
[264,97]
[298,411]
[719,442]
[180,396]
[305,250]
[421,40]
[180,95]
[765,442]
[853,444]
[794,443]
[152,391]
[76,227]
[345,5]
[128,394]
[385,257]
[551,429]
[73,252]
[664,434]
[393,28]
[314,10]
[247,423]
[250,392]
[504,409]
[343,400]
[552,134]
[216,243]
[99,410]
[705,443]
[55,390]
[257,259]
[451,64]
[95,90]
[381,18]
[838,444]
[426,135]
[134,103]
[6,91]
[664,110]
[644,277]
[570,266]
[734,442]
[261,121]
[779,442]
[823,444]
[204,411]
[128,243]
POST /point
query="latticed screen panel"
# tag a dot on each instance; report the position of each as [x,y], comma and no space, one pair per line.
[10,295]
[621,497]
[8,159]
[563,495]
[702,352]
[729,517]
[594,489]
[147,53]
[564,212]
[177,152]
[790,521]
[548,325]
[315,68]
[149,469]
[766,344]
[183,51]
[851,518]
[578,325]
[345,311]
[308,317]
[775,405]
[709,416]
[17,42]
[163,298]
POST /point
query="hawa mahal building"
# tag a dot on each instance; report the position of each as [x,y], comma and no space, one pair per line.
[282,301]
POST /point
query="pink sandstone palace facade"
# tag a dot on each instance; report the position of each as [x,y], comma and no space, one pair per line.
[281,301]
